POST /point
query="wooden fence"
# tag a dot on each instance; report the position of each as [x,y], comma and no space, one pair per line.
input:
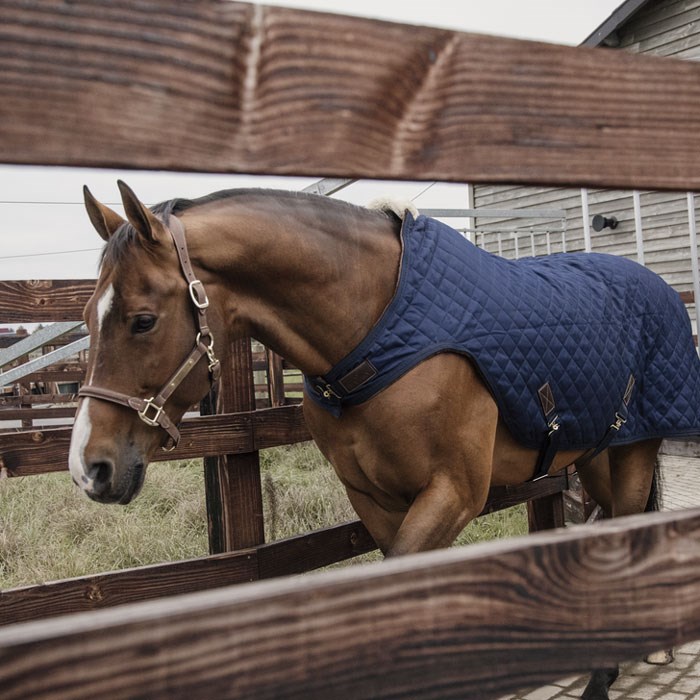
[229,87]
[230,442]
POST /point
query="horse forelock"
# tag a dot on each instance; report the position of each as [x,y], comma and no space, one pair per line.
[126,237]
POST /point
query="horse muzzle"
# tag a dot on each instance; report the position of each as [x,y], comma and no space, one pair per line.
[108,470]
[101,483]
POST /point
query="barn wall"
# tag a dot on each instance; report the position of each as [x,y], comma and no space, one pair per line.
[662,27]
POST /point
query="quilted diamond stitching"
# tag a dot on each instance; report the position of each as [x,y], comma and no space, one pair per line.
[580,322]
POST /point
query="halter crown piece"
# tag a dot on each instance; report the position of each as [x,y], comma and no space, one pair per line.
[152,410]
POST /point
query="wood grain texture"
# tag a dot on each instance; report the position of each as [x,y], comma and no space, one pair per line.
[229,87]
[290,556]
[126,586]
[41,451]
[30,413]
[234,490]
[425,626]
[39,301]
[546,513]
[275,378]
[293,555]
[506,496]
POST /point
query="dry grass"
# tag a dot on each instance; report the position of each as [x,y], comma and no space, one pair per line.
[50,531]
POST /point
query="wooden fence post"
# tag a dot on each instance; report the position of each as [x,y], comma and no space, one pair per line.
[275,378]
[233,486]
[546,512]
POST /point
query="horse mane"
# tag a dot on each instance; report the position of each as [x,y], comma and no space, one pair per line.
[395,207]
[126,236]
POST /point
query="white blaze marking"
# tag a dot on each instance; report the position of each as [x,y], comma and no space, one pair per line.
[79,439]
[104,306]
[82,427]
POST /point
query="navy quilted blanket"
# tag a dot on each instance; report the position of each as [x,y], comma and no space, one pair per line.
[579,325]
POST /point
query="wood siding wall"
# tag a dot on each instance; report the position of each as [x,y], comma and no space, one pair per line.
[662,27]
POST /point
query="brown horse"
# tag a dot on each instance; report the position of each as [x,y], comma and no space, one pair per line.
[309,277]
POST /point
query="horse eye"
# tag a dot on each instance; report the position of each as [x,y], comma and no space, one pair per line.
[143,324]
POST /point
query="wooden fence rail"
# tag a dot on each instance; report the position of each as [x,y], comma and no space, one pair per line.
[230,87]
[230,443]
[292,556]
[470,623]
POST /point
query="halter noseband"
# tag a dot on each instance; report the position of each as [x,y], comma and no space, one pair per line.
[151,411]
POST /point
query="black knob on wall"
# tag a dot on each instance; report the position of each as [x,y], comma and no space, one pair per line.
[601,222]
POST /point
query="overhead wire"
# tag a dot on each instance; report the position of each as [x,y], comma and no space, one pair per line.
[56,252]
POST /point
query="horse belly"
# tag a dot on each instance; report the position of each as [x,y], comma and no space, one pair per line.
[514,464]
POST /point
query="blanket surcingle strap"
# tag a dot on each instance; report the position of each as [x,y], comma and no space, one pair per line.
[579,350]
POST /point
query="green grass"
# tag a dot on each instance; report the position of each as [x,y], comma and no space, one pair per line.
[49,530]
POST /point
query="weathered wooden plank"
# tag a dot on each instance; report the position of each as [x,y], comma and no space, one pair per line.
[60,375]
[7,414]
[290,556]
[314,550]
[39,301]
[234,490]
[274,427]
[427,626]
[41,451]
[506,496]
[126,586]
[275,378]
[681,448]
[30,399]
[251,88]
[546,513]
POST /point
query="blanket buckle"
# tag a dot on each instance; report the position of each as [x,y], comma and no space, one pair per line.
[553,425]
[327,392]
[619,422]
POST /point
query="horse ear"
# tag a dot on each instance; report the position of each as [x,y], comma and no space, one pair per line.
[105,221]
[139,215]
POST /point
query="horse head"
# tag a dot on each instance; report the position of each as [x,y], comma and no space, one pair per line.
[151,349]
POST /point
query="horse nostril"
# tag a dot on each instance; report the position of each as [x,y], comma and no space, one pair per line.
[100,473]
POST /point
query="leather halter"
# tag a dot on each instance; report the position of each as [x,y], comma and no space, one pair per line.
[151,411]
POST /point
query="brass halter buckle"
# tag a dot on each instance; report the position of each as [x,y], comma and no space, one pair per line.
[143,415]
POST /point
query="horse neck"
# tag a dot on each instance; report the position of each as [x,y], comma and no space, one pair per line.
[307,278]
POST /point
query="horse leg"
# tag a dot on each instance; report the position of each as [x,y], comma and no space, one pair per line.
[439,513]
[381,523]
[600,682]
[416,460]
[632,471]
[433,516]
[623,480]
[595,479]
[650,450]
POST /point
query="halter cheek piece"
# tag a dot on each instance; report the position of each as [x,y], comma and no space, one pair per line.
[151,411]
